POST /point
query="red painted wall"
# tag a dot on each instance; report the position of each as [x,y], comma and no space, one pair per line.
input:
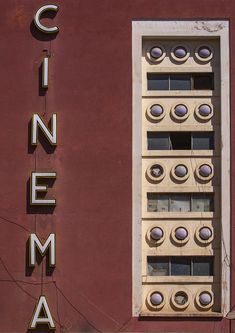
[91,90]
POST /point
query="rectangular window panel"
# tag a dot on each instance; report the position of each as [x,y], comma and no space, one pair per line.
[158,140]
[202,202]
[203,81]
[203,266]
[158,81]
[203,140]
[180,82]
[180,266]
[157,202]
[158,266]
[180,203]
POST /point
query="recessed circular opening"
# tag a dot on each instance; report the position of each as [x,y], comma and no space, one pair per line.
[181,298]
[156,170]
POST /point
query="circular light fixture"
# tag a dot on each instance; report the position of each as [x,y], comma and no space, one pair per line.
[156,53]
[205,234]
[155,172]
[180,53]
[204,111]
[155,112]
[205,171]
[155,300]
[204,53]
[180,111]
[204,299]
[180,172]
[156,235]
[180,235]
[180,299]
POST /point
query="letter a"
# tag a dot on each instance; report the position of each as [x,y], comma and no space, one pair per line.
[42,306]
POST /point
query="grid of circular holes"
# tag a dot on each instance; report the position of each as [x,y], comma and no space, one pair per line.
[180,53]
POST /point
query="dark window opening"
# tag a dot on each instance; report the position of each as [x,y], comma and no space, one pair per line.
[203,81]
[180,140]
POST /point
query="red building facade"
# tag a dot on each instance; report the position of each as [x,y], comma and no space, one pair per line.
[90,90]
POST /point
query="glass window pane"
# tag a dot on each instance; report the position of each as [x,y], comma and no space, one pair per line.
[203,266]
[180,140]
[157,81]
[158,266]
[180,82]
[180,203]
[157,202]
[203,81]
[203,140]
[158,141]
[202,202]
[180,266]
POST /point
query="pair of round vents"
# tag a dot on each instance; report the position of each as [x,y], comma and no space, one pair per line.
[180,112]
[180,234]
[180,172]
[180,53]
[180,299]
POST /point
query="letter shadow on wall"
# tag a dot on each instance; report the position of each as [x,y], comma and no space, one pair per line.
[39,209]
[42,328]
[49,149]
[39,261]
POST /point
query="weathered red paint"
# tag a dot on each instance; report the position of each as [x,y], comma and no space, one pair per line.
[91,90]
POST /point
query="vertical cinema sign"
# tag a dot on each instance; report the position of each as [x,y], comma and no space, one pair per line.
[42,313]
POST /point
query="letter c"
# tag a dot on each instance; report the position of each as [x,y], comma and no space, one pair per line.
[37,18]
